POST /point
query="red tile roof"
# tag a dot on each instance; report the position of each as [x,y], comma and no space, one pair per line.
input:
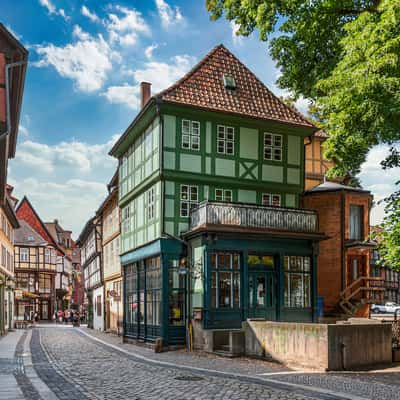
[204,87]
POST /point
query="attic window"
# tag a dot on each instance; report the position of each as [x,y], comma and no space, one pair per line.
[30,238]
[229,82]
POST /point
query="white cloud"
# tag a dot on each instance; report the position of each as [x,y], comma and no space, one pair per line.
[66,180]
[148,52]
[380,182]
[125,27]
[124,94]
[23,131]
[87,61]
[160,74]
[238,40]
[89,14]
[169,15]
[52,9]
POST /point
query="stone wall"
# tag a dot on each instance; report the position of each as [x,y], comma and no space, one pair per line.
[320,346]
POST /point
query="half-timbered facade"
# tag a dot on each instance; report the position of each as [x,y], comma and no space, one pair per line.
[35,272]
[210,177]
[109,213]
[13,61]
[89,242]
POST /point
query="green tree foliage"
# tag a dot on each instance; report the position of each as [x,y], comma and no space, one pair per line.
[389,238]
[341,54]
[344,55]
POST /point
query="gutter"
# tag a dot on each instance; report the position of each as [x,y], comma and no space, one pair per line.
[8,111]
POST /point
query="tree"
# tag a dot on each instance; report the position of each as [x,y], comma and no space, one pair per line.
[389,238]
[341,54]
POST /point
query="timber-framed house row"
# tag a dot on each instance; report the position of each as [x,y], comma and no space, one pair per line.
[89,243]
[210,177]
[35,273]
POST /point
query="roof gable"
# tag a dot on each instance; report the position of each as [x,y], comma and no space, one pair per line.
[204,87]
[27,213]
[26,235]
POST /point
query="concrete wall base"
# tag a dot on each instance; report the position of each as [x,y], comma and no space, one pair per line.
[333,347]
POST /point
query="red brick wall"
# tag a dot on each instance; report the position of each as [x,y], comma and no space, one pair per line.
[329,260]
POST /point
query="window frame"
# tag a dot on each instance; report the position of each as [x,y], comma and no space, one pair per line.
[235,279]
[24,250]
[224,195]
[289,272]
[190,203]
[359,233]
[150,204]
[271,201]
[273,147]
[225,141]
[190,135]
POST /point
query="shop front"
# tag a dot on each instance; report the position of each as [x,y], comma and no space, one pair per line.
[154,293]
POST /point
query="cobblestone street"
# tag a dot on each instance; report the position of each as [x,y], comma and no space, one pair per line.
[53,363]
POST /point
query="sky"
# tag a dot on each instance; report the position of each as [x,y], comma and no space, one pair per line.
[86,61]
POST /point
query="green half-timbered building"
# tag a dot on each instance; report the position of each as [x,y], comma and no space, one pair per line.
[211,172]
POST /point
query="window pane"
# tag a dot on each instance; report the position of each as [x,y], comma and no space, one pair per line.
[228,196]
[296,290]
[176,308]
[268,153]
[224,286]
[278,140]
[219,195]
[236,289]
[277,154]
[184,209]
[221,260]
[184,192]
[185,141]
[267,261]
[185,126]
[195,128]
[307,290]
[276,200]
[253,260]
[267,139]
[236,261]
[266,200]
[229,147]
[195,142]
[193,193]
[221,146]
[260,291]
[214,289]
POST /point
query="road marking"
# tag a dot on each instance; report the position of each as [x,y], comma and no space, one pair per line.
[259,380]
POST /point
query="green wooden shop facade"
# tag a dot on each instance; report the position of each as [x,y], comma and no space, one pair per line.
[215,195]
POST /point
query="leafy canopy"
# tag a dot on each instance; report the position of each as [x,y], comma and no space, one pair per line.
[343,55]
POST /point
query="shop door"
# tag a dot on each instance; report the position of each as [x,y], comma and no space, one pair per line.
[44,310]
[262,295]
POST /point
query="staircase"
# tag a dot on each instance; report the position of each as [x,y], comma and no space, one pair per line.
[364,290]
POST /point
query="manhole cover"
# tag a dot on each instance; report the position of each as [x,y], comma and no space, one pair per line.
[191,378]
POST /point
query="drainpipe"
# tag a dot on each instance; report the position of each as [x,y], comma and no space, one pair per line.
[8,111]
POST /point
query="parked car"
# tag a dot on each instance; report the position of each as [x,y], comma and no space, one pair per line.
[387,308]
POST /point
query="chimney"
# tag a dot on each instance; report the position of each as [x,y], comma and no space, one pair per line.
[145,93]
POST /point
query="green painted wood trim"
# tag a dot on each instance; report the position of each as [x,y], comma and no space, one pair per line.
[183,177]
[149,181]
[137,127]
[230,118]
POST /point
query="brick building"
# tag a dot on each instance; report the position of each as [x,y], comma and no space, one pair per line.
[344,279]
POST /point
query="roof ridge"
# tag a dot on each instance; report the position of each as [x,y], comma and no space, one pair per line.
[191,71]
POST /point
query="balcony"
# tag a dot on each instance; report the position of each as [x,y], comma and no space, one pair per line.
[254,217]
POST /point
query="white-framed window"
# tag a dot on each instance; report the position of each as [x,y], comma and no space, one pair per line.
[190,134]
[223,195]
[124,167]
[269,199]
[189,199]
[126,221]
[225,139]
[47,256]
[23,254]
[272,146]
[150,204]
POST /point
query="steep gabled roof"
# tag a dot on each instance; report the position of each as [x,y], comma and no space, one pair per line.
[25,235]
[204,87]
[26,212]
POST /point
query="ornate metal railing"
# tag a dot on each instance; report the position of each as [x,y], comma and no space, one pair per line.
[253,216]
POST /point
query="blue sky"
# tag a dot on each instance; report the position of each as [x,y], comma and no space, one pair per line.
[86,60]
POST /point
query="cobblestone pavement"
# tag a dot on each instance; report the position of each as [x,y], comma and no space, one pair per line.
[92,370]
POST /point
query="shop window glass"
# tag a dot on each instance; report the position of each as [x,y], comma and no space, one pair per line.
[297,278]
[225,280]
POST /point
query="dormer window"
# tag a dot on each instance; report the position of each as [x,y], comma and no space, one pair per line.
[229,82]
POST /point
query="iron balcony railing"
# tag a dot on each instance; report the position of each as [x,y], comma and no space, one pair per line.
[254,216]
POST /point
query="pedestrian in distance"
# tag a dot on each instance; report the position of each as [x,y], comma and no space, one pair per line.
[60,315]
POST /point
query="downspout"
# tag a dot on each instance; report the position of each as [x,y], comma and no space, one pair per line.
[342,233]
[8,110]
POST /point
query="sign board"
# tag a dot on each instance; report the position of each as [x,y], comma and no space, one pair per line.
[117,298]
[112,293]
[18,294]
